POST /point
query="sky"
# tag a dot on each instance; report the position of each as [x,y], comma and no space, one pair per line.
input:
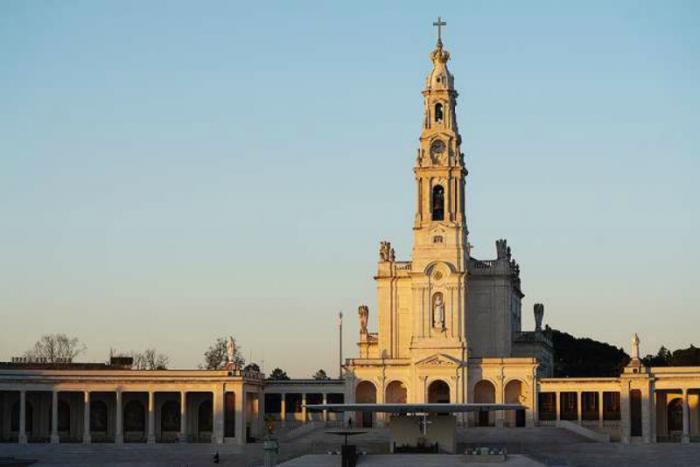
[173,172]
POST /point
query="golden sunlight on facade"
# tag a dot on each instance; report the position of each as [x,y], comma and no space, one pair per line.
[449,331]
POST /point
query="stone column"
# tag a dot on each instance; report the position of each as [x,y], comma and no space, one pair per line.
[579,407]
[499,400]
[86,417]
[625,413]
[325,412]
[241,421]
[119,429]
[283,407]
[652,413]
[557,403]
[22,435]
[600,410]
[151,438]
[218,415]
[686,418]
[646,414]
[304,412]
[183,417]
[54,417]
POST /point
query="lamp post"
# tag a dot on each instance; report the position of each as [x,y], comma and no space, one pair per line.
[340,345]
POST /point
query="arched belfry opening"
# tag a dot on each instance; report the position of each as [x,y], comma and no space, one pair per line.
[439,114]
[438,208]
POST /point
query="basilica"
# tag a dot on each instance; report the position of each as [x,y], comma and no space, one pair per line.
[449,324]
[448,330]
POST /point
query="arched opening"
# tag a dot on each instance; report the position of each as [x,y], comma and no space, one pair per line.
[514,395]
[134,420]
[204,417]
[63,417]
[170,417]
[396,393]
[439,392]
[438,205]
[365,393]
[439,114]
[485,393]
[674,414]
[28,417]
[99,420]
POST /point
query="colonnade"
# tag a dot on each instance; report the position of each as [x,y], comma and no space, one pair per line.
[197,415]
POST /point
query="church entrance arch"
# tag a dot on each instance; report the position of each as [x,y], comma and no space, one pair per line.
[514,395]
[396,393]
[439,392]
[365,393]
[485,393]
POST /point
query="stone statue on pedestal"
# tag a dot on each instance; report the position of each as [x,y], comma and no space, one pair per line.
[539,314]
[230,351]
[363,311]
[635,347]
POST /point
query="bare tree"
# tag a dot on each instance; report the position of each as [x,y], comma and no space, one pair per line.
[55,348]
[150,359]
[215,357]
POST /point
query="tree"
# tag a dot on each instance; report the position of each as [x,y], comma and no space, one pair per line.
[586,357]
[252,367]
[686,357]
[321,375]
[55,348]
[216,357]
[149,359]
[662,358]
[278,375]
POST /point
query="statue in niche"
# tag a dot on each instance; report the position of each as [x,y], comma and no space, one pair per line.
[438,311]
[363,311]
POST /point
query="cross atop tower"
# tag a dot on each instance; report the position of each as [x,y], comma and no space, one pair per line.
[439,24]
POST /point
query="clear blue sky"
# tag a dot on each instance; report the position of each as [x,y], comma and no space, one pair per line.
[171,172]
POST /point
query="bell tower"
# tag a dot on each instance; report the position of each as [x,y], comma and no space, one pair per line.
[440,230]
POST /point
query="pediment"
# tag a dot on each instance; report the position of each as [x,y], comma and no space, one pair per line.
[440,360]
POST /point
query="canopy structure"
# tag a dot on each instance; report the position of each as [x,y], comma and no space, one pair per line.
[414,408]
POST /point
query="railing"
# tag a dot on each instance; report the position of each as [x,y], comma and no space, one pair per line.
[403,265]
[484,264]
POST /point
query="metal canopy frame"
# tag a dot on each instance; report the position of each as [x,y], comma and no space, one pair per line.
[415,408]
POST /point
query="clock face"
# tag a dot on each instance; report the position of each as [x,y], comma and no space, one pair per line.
[438,147]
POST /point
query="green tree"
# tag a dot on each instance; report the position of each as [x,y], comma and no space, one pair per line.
[320,375]
[278,375]
[215,358]
[252,367]
[662,358]
[686,357]
[586,357]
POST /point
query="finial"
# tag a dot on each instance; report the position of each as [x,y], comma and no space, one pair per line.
[439,24]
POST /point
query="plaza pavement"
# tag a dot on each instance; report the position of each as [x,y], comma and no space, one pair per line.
[546,445]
